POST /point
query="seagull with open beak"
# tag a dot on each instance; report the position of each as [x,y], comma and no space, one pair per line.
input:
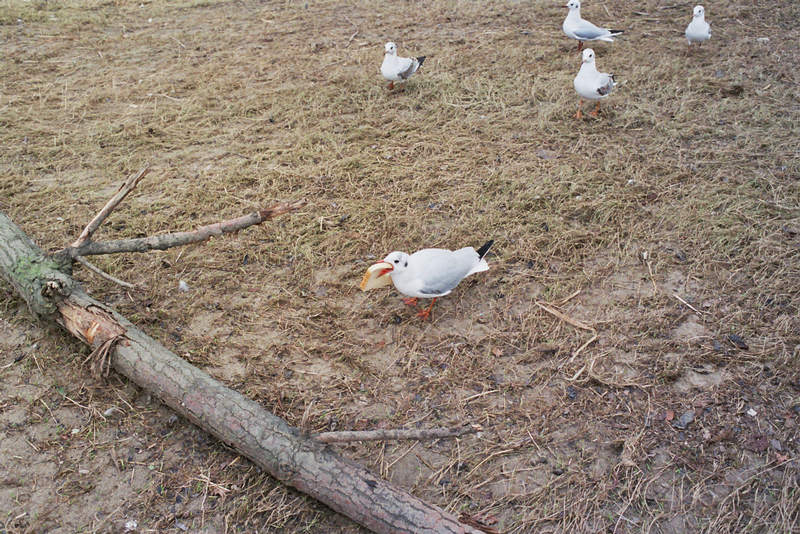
[429,273]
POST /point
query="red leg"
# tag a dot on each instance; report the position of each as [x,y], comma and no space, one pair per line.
[596,110]
[426,313]
[410,302]
[391,85]
[579,115]
[580,46]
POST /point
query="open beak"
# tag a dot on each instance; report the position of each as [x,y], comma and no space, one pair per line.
[377,275]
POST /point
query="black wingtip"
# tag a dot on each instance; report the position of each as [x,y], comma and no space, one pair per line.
[485,248]
[421,60]
[617,32]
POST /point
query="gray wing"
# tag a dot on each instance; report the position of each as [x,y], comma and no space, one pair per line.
[410,70]
[587,30]
[443,269]
[607,84]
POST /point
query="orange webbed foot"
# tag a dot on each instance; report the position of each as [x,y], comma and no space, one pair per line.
[410,302]
[424,314]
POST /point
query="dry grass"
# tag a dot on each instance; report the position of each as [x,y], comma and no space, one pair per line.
[686,186]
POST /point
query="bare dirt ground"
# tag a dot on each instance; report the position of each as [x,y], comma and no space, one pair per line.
[666,226]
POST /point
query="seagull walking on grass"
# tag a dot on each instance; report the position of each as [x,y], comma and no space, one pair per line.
[698,30]
[592,84]
[429,273]
[398,69]
[583,30]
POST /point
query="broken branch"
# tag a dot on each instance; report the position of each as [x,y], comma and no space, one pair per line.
[96,270]
[124,189]
[177,239]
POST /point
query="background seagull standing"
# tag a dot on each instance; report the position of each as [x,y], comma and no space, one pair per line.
[698,30]
[592,84]
[428,273]
[583,30]
[398,69]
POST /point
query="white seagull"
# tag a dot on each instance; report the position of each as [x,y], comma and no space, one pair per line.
[428,273]
[591,84]
[398,69]
[698,30]
[583,30]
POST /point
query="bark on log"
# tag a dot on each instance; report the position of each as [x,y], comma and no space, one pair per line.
[310,466]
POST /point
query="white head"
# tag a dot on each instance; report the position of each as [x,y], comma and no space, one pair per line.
[398,261]
[390,48]
[699,11]
[573,5]
[588,55]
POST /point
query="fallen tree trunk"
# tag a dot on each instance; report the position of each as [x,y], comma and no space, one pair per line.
[304,463]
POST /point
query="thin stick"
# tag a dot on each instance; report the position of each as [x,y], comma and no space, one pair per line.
[564,317]
[580,349]
[123,191]
[96,270]
[394,434]
[698,312]
[567,299]
[177,239]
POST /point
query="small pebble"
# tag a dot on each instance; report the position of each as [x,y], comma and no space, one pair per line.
[183,286]
[110,411]
[751,412]
[738,341]
[685,419]
[131,525]
[181,526]
[776,445]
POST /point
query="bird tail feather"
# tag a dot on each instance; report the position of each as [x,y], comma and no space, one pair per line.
[485,248]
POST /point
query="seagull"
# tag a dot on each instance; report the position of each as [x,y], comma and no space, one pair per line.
[428,273]
[583,30]
[591,84]
[698,30]
[398,69]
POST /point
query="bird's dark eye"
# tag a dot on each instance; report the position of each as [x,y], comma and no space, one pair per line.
[406,265]
[397,261]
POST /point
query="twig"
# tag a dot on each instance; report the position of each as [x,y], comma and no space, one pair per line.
[177,239]
[123,191]
[467,520]
[103,274]
[394,434]
[567,319]
[572,296]
[698,312]
[351,38]
[580,349]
